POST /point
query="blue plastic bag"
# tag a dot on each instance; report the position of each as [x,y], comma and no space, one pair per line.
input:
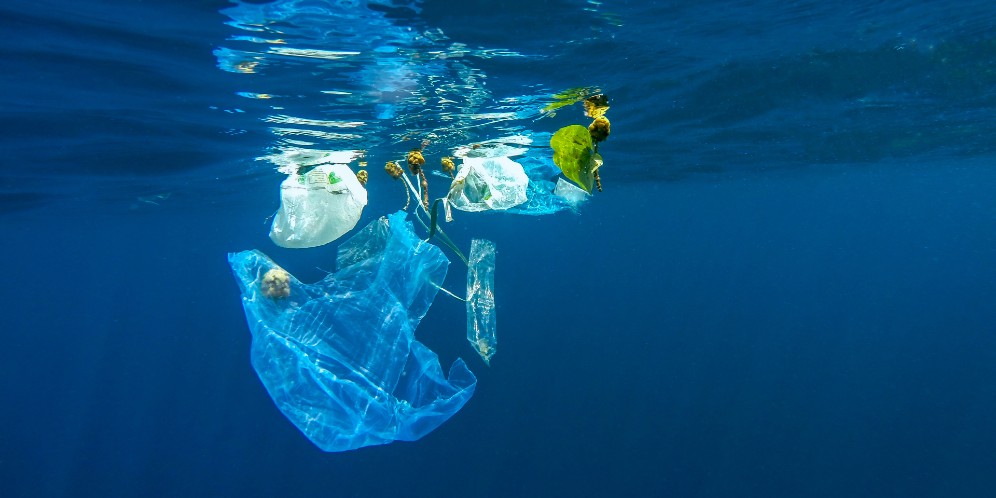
[339,357]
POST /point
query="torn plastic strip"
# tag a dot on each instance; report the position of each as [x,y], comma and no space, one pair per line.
[481,324]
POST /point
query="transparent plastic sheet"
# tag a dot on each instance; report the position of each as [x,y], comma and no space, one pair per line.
[571,194]
[339,357]
[544,195]
[481,325]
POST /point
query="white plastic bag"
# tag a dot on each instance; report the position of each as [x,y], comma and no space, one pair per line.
[318,206]
[488,183]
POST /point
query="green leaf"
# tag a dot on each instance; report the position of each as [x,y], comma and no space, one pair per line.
[573,154]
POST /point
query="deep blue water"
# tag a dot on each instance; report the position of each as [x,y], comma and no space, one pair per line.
[785,289]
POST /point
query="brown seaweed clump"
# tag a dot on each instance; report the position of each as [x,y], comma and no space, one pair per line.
[599,129]
[276,283]
[448,166]
[415,161]
[392,168]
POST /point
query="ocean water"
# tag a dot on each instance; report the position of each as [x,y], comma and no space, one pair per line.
[786,287]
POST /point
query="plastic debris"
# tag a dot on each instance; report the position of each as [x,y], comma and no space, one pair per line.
[545,194]
[318,206]
[339,357]
[488,183]
[542,197]
[570,193]
[481,326]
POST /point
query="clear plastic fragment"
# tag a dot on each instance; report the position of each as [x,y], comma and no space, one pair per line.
[571,194]
[481,327]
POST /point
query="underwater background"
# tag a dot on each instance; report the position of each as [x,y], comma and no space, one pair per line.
[786,287]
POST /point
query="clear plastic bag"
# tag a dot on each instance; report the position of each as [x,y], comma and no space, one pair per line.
[488,183]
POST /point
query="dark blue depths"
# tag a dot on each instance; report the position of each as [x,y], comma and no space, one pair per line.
[805,311]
